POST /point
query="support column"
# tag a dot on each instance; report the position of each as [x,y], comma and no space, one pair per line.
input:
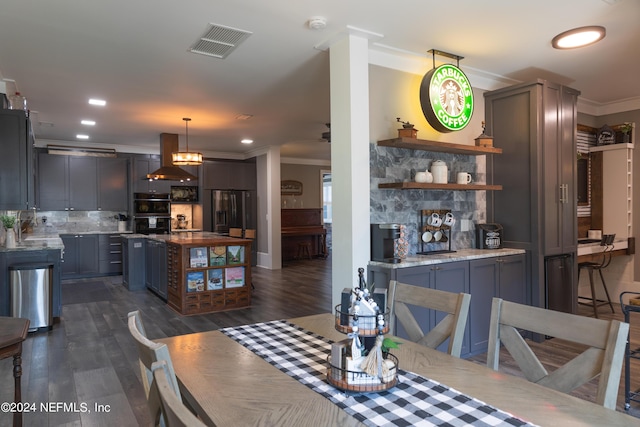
[349,71]
[269,238]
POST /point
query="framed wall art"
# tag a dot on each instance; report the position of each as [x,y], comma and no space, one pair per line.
[290,188]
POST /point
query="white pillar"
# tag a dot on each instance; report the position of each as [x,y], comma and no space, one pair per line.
[268,171]
[349,65]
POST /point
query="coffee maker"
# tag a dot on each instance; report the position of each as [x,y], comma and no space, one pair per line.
[383,237]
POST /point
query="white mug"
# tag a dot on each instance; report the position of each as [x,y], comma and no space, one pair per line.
[464,178]
[449,220]
[434,220]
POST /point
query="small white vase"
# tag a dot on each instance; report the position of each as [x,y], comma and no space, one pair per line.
[10,241]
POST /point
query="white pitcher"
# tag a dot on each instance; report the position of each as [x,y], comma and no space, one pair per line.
[440,172]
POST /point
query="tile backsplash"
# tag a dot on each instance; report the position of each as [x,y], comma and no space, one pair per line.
[390,164]
[56,222]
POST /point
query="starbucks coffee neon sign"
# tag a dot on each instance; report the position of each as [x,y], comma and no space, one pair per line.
[446,98]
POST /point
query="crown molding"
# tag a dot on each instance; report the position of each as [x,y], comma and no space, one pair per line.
[416,63]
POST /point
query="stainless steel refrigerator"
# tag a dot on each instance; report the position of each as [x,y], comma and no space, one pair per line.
[224,209]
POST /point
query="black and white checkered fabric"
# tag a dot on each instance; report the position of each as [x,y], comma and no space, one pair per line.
[415,401]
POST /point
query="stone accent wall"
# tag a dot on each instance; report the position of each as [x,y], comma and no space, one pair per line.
[389,164]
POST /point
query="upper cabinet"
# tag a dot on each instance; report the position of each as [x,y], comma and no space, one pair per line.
[535,125]
[143,165]
[438,147]
[229,175]
[82,183]
[17,188]
[66,183]
[113,180]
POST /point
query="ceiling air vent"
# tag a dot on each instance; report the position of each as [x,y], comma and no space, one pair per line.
[219,41]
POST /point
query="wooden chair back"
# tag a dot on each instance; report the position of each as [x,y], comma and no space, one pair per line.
[235,232]
[605,339]
[150,352]
[249,233]
[451,327]
[175,412]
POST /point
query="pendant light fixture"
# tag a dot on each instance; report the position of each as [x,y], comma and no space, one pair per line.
[186,158]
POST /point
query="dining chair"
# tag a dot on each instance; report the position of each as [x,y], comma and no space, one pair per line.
[175,412]
[235,232]
[148,353]
[605,339]
[452,326]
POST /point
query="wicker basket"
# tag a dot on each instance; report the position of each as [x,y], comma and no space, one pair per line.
[343,379]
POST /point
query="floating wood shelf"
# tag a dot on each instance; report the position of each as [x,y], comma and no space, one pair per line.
[431,186]
[437,146]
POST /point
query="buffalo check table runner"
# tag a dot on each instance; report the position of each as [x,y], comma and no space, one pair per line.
[414,401]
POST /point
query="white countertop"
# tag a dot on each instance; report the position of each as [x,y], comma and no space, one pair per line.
[459,255]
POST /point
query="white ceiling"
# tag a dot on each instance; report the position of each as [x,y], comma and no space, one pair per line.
[135,55]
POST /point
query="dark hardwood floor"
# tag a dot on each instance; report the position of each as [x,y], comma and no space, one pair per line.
[89,357]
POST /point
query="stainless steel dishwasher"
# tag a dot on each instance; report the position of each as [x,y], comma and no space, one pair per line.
[31,294]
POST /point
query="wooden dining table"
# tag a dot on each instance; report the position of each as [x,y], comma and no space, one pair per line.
[228,385]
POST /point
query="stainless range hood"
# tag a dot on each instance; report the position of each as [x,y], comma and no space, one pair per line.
[169,172]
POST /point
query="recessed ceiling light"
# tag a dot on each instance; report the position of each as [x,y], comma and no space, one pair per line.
[82,136]
[244,116]
[88,122]
[247,141]
[578,37]
[99,102]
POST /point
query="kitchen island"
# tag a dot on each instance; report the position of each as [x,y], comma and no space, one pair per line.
[483,273]
[202,272]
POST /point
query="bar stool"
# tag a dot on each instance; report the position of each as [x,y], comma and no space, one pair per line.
[607,242]
[304,249]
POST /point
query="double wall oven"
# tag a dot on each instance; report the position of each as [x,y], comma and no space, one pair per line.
[152,213]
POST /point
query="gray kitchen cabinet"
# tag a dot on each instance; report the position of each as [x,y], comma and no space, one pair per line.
[448,276]
[81,256]
[143,165]
[535,124]
[25,257]
[229,175]
[483,278]
[110,254]
[133,266]
[67,183]
[113,181]
[488,277]
[156,267]
[17,187]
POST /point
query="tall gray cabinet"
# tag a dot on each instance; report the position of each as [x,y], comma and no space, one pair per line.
[17,188]
[535,125]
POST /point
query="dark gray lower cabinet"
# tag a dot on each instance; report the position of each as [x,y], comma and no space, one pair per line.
[450,277]
[110,258]
[25,257]
[503,277]
[482,278]
[156,267]
[80,255]
[133,263]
